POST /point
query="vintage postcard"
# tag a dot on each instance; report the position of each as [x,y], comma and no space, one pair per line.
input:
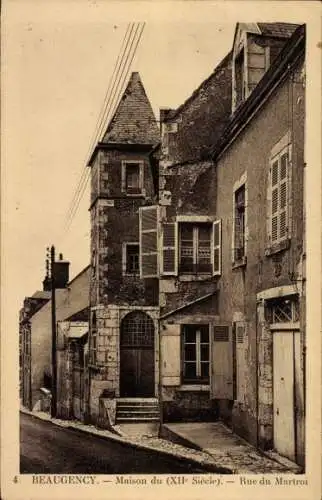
[161,250]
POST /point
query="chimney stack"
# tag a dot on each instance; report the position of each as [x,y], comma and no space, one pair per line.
[61,270]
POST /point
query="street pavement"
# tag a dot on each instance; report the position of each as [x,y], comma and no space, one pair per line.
[46,448]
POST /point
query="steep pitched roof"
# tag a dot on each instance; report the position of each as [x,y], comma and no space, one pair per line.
[282,30]
[133,121]
[202,87]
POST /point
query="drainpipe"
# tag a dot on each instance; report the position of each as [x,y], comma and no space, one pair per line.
[160,379]
[257,377]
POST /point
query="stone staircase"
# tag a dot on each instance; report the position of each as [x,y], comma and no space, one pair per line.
[133,410]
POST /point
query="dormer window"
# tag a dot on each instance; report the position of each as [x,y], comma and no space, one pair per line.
[240,77]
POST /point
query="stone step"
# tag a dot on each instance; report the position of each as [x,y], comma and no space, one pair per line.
[134,410]
[143,414]
[136,419]
[137,407]
[137,400]
[137,403]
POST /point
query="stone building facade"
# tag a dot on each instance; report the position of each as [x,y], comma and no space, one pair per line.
[123,358]
[197,247]
[232,256]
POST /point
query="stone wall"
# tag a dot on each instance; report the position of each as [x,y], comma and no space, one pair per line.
[249,154]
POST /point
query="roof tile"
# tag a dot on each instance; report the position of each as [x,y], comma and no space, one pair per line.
[134,121]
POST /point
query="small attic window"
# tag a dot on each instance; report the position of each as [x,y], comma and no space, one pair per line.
[132,178]
[240,77]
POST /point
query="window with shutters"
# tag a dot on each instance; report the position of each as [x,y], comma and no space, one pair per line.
[195,248]
[239,223]
[279,197]
[132,177]
[195,354]
[148,218]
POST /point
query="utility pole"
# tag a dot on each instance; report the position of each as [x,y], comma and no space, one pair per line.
[54,337]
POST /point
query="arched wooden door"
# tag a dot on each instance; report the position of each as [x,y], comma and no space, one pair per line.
[137,355]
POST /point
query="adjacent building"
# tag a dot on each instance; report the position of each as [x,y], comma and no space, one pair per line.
[72,304]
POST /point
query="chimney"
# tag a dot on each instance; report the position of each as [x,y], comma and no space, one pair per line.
[46,284]
[164,113]
[61,271]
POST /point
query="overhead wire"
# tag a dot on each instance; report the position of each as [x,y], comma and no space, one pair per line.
[115,99]
[100,118]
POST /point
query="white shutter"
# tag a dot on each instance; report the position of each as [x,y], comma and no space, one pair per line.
[283,195]
[222,363]
[148,217]
[170,355]
[278,198]
[216,248]
[170,248]
[275,201]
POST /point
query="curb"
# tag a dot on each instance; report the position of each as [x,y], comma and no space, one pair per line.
[140,446]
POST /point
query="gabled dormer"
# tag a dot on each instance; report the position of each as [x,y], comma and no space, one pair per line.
[255,46]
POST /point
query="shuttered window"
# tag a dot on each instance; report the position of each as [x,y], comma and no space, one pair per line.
[169,246]
[195,250]
[148,242]
[196,355]
[279,197]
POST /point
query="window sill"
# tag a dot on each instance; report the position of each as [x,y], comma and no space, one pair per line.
[195,277]
[194,387]
[139,194]
[278,247]
[239,263]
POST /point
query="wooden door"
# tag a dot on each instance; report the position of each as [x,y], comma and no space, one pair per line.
[137,356]
[137,372]
[283,393]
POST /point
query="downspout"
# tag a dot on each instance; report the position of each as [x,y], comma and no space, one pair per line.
[257,376]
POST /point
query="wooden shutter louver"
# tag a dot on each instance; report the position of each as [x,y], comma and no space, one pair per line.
[169,248]
[148,242]
[216,248]
[279,198]
[221,333]
[222,363]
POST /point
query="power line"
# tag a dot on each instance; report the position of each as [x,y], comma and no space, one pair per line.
[83,187]
[106,112]
[100,117]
